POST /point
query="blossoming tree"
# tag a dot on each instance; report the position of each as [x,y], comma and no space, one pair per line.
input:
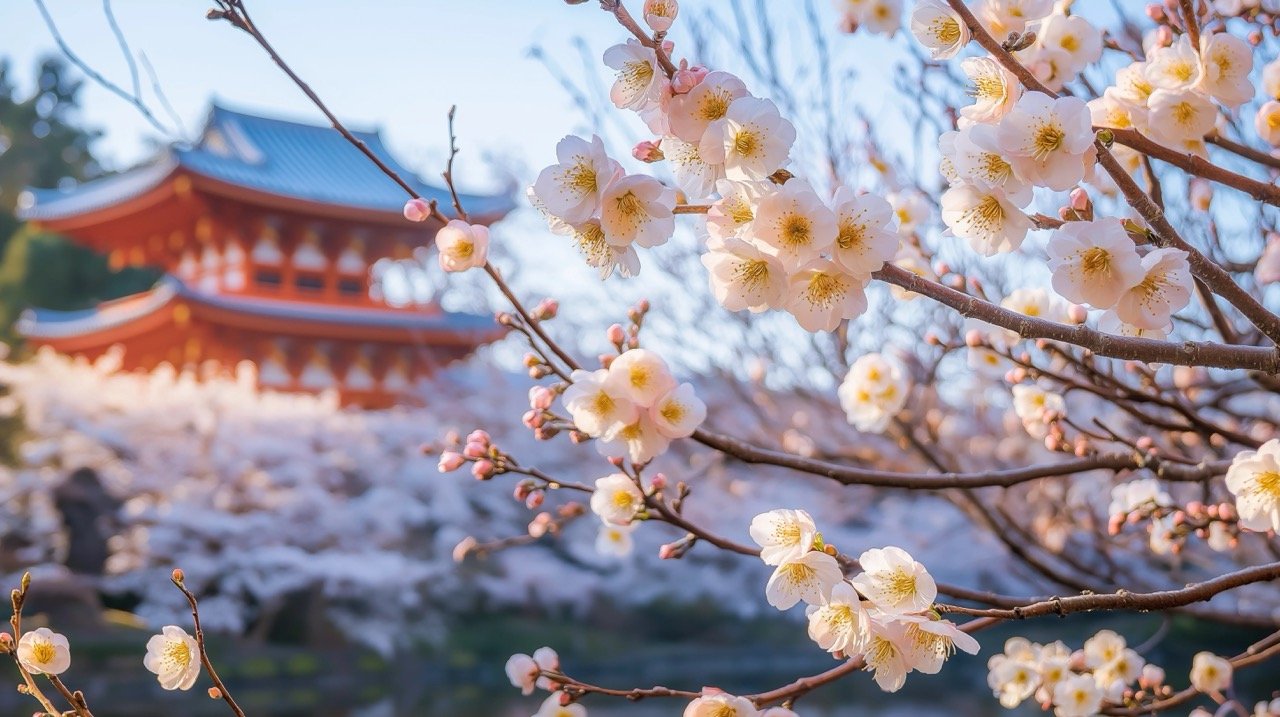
[1100,267]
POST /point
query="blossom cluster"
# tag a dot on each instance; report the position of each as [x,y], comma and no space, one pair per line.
[633,407]
[173,656]
[1080,683]
[884,614]
[771,241]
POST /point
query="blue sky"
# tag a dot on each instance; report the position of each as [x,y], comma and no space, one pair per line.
[394,64]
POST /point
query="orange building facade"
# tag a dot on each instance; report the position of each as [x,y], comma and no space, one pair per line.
[267,231]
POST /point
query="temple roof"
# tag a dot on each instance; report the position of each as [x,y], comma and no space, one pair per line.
[50,324]
[272,156]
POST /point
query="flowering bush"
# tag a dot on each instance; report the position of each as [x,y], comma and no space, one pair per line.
[1091,381]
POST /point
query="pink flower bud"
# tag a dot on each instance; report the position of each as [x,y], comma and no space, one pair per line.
[532,418]
[482,469]
[1144,443]
[1114,524]
[605,360]
[1195,507]
[1227,511]
[452,438]
[1077,314]
[659,481]
[531,359]
[479,436]
[616,461]
[686,79]
[616,335]
[450,461]
[667,552]
[417,210]
[463,549]
[547,309]
[534,500]
[1152,676]
[1164,36]
[522,491]
[1080,200]
[540,397]
[539,525]
[648,151]
[973,338]
[474,450]
[660,14]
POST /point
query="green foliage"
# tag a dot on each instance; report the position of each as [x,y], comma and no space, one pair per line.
[43,145]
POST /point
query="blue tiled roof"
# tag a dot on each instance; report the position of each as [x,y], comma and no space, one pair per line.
[274,156]
[53,324]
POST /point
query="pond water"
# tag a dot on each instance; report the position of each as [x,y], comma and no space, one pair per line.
[461,682]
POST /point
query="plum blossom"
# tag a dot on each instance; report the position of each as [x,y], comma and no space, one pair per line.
[641,376]
[1210,673]
[873,391]
[570,190]
[732,214]
[637,209]
[886,654]
[660,15]
[1176,67]
[639,79]
[614,540]
[986,217]
[793,224]
[693,175]
[1077,696]
[939,28]
[462,246]
[783,535]
[1002,17]
[1103,647]
[678,412]
[979,161]
[752,140]
[821,294]
[894,582]
[930,642]
[44,652]
[174,657]
[809,578]
[640,440]
[1267,123]
[865,239]
[1093,262]
[1254,480]
[598,405]
[1036,408]
[692,113]
[523,670]
[1047,139]
[995,90]
[1073,35]
[1128,497]
[912,209]
[1180,116]
[1227,62]
[744,277]
[841,625]
[721,705]
[1164,290]
[616,499]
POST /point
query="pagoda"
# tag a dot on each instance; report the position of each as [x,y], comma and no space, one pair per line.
[267,231]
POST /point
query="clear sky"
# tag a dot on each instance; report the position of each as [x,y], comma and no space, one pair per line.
[397,64]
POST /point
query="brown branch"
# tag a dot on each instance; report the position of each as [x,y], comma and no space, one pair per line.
[630,25]
[223,692]
[1190,353]
[1166,235]
[1125,600]
[1244,150]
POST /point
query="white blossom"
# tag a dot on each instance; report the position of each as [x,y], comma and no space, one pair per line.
[691,113]
[865,239]
[873,391]
[752,140]
[614,540]
[1093,262]
[597,404]
[985,217]
[1047,139]
[809,578]
[894,582]
[1210,673]
[1254,480]
[995,90]
[783,535]
[639,79]
[744,277]
[570,190]
[793,224]
[821,294]
[462,246]
[641,376]
[616,499]
[637,209]
[44,652]
[939,28]
[678,412]
[174,657]
[1227,61]
[721,705]
[1161,293]
[841,625]
[1036,407]
[1077,696]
